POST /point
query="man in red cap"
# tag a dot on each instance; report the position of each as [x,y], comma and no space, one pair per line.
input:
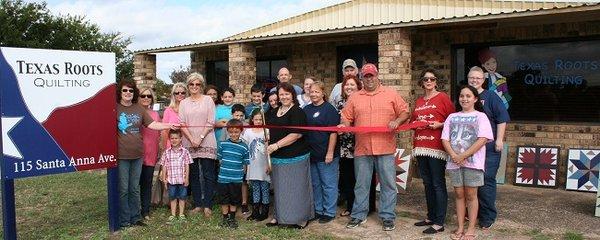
[374,105]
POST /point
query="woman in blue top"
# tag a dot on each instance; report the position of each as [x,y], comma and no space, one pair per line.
[496,112]
[324,154]
[223,113]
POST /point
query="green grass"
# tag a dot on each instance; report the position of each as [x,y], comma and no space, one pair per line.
[536,234]
[74,206]
[573,236]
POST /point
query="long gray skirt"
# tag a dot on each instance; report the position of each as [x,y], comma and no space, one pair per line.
[294,202]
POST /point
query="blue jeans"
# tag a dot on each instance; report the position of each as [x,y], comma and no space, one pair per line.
[386,169]
[324,178]
[432,171]
[209,175]
[486,194]
[129,191]
[146,188]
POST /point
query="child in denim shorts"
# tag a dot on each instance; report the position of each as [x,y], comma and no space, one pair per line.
[175,173]
[464,137]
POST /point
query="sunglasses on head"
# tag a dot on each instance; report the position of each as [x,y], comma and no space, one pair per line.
[127,90]
[146,96]
[195,84]
[425,79]
[178,93]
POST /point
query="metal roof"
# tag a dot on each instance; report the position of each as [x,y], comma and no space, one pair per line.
[378,14]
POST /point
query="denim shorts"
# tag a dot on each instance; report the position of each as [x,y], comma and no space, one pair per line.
[177,191]
[466,177]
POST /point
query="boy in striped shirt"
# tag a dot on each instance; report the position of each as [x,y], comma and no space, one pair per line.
[234,156]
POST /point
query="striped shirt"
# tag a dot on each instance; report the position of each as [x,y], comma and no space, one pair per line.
[233,157]
[174,161]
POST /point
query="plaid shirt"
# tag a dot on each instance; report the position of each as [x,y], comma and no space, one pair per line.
[174,160]
[374,109]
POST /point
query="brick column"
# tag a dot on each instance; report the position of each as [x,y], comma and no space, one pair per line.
[198,62]
[242,70]
[395,70]
[144,70]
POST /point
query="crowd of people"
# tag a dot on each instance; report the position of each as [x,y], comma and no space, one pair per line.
[209,148]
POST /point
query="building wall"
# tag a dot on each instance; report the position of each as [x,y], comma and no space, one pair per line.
[432,47]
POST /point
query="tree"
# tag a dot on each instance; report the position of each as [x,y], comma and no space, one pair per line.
[162,90]
[180,75]
[32,25]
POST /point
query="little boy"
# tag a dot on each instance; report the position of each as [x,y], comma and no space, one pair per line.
[237,112]
[175,173]
[258,93]
[234,156]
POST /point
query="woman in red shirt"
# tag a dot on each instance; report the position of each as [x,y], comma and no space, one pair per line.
[433,107]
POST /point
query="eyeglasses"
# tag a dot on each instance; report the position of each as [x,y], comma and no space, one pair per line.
[195,84]
[430,79]
[475,78]
[127,90]
[146,96]
[178,93]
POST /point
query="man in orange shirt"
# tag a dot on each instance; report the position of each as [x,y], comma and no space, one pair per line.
[374,105]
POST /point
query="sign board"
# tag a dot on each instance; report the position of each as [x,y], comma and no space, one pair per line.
[58,111]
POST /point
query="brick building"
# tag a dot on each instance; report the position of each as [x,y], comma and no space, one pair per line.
[549,52]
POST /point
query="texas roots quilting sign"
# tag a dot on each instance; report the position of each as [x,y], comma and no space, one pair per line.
[58,111]
[582,169]
[402,163]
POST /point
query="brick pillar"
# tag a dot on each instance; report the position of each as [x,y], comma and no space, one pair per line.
[144,70]
[242,70]
[198,62]
[395,70]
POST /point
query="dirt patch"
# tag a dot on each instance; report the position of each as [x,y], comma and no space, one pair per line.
[524,213]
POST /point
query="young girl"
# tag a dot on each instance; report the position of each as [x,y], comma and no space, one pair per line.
[464,137]
[258,168]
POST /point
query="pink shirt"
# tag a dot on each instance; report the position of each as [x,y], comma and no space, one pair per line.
[170,116]
[199,114]
[462,130]
[151,138]
[174,161]
[375,109]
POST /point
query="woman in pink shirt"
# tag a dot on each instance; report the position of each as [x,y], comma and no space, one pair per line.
[150,138]
[171,114]
[198,112]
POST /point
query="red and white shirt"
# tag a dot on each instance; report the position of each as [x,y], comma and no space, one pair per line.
[174,160]
[427,141]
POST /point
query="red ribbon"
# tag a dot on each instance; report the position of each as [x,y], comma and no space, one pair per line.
[403,127]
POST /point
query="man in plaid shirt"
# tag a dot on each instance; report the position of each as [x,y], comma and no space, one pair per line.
[175,173]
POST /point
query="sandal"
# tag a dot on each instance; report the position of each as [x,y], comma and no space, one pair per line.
[456,235]
[469,236]
[345,213]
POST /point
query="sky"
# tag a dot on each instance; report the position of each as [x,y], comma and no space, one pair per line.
[155,24]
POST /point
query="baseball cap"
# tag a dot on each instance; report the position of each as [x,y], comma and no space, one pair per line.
[369,68]
[349,63]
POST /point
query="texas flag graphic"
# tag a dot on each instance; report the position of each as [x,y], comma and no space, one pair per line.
[58,111]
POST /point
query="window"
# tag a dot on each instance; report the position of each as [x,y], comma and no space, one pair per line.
[217,73]
[558,81]
[361,54]
[266,72]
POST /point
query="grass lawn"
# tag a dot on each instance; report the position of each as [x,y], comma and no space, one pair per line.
[74,206]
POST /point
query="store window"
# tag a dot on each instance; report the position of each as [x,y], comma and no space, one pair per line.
[554,82]
[217,73]
[266,71]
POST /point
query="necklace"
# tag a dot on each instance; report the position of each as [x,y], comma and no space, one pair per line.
[281,112]
[427,98]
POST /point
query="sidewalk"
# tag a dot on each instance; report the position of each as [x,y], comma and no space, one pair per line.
[524,213]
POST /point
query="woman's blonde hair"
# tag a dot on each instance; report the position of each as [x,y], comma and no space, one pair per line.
[321,85]
[142,90]
[196,76]
[174,104]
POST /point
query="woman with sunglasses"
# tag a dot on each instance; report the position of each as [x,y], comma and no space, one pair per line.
[130,119]
[171,114]
[198,113]
[150,138]
[433,107]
